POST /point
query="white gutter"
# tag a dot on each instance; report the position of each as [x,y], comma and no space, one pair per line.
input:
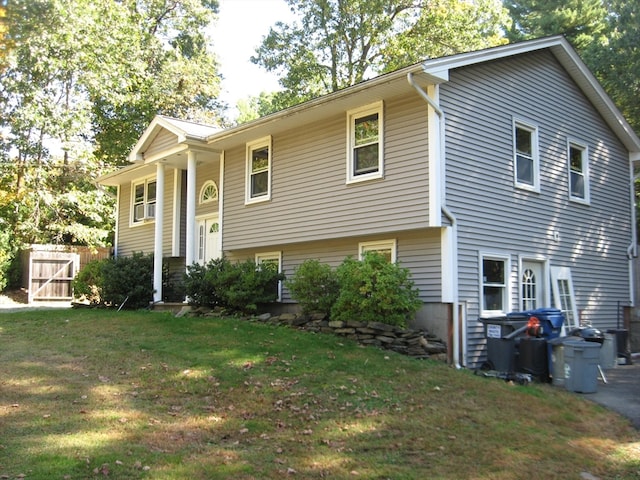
[454,225]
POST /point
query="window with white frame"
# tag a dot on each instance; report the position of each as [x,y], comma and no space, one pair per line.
[143,200]
[387,248]
[258,187]
[526,163]
[365,143]
[578,172]
[271,260]
[209,192]
[494,272]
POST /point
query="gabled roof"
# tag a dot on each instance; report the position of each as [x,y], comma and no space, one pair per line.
[185,131]
[437,71]
[568,58]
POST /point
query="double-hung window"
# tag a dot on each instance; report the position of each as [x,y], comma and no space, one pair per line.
[494,271]
[578,172]
[365,143]
[526,163]
[258,175]
[144,200]
[387,248]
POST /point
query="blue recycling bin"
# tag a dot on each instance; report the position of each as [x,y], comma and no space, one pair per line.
[551,321]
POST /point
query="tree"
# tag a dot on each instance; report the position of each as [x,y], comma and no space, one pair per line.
[80,81]
[581,21]
[615,59]
[339,43]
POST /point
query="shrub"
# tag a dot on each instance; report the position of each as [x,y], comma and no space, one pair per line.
[237,287]
[201,284]
[125,282]
[314,286]
[8,259]
[87,285]
[373,289]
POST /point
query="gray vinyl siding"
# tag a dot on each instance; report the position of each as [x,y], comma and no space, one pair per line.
[417,250]
[310,199]
[495,216]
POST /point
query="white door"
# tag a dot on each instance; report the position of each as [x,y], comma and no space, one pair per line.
[208,235]
[533,291]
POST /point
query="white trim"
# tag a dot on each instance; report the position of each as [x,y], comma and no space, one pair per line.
[262,256]
[584,148]
[352,115]
[158,247]
[535,154]
[545,300]
[564,274]
[252,146]
[377,245]
[506,295]
[177,196]
[205,185]
[190,247]
[146,218]
[437,166]
[221,203]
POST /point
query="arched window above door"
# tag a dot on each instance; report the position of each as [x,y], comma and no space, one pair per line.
[209,192]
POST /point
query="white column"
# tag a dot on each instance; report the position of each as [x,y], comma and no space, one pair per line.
[191,209]
[157,249]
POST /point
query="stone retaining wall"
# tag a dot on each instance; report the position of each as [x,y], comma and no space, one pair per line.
[414,343]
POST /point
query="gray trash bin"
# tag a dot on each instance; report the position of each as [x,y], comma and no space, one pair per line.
[581,366]
[609,352]
[501,333]
[556,366]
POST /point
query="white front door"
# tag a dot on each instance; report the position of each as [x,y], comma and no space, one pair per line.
[208,235]
[533,291]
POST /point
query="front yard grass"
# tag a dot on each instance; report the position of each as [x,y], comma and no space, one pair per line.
[144,395]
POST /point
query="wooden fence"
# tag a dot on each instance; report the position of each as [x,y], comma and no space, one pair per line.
[48,270]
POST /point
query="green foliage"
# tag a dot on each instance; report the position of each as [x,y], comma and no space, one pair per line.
[8,259]
[125,282]
[373,289]
[581,21]
[314,286]
[74,100]
[237,287]
[338,43]
[87,284]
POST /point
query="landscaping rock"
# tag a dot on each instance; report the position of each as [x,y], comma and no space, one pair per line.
[414,343]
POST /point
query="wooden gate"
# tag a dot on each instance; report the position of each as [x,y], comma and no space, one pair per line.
[51,273]
[48,270]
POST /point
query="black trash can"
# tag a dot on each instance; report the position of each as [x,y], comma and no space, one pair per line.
[502,334]
[533,358]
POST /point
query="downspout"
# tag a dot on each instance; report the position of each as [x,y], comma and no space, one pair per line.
[454,226]
[633,247]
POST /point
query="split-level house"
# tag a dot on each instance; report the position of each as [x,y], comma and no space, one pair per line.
[502,178]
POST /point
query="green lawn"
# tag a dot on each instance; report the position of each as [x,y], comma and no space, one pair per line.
[121,395]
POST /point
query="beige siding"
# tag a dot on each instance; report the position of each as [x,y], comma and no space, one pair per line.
[204,173]
[163,141]
[310,197]
[417,250]
[132,239]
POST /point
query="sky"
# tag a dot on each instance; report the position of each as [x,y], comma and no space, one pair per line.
[239,30]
